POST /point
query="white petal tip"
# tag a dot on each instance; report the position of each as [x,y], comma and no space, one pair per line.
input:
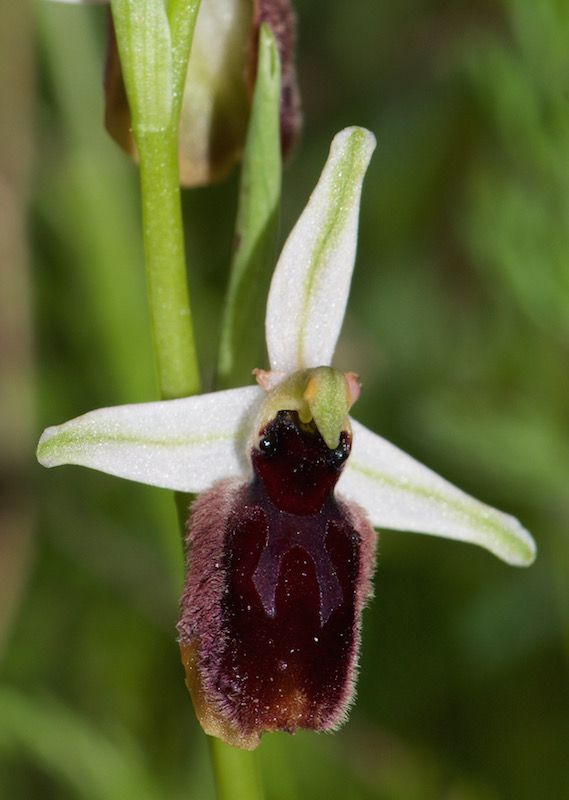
[44,453]
[311,282]
[364,139]
[399,493]
[524,549]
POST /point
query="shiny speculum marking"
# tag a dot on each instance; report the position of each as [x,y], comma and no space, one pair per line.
[297,472]
[292,566]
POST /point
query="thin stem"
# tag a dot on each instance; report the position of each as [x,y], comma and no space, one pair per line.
[154,80]
[145,45]
[235,772]
[168,292]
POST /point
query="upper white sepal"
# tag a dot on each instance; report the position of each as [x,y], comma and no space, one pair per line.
[185,445]
[310,286]
[398,492]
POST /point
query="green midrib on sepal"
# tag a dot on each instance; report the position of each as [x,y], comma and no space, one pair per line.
[486,519]
[343,192]
[58,448]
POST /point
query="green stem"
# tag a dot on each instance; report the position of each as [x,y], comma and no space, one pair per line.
[168,292]
[235,772]
[152,63]
[154,52]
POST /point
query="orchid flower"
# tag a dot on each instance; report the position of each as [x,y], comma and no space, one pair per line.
[280,563]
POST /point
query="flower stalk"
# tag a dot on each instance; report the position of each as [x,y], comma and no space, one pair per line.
[168,292]
[154,59]
[155,81]
[235,772]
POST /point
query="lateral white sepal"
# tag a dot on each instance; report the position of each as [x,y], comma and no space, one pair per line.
[400,493]
[185,445]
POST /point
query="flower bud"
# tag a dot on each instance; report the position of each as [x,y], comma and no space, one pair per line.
[279,571]
[219,86]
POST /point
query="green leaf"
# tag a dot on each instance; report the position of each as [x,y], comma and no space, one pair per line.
[257,224]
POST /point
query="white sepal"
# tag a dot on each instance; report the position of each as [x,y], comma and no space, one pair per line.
[84,2]
[185,445]
[311,283]
[398,492]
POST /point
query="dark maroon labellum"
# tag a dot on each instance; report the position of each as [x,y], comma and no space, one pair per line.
[279,571]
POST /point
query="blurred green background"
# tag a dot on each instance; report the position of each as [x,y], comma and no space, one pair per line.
[459,327]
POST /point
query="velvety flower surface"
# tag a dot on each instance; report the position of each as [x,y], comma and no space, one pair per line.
[278,573]
[279,561]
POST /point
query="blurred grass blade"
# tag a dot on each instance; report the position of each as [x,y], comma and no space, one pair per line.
[17,507]
[257,225]
[81,194]
[66,746]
